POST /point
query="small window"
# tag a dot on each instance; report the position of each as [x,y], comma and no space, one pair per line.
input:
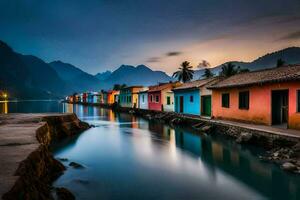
[298,101]
[225,100]
[143,98]
[191,98]
[244,100]
[156,98]
[168,100]
[151,98]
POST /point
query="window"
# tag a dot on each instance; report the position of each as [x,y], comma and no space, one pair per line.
[151,98]
[168,100]
[156,98]
[225,100]
[143,98]
[244,100]
[191,98]
[298,101]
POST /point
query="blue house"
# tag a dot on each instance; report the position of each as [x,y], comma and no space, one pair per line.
[194,98]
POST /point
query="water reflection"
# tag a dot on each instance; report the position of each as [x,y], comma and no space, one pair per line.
[125,152]
[30,106]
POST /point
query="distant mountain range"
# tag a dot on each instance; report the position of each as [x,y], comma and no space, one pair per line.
[29,77]
[290,55]
[77,79]
[130,75]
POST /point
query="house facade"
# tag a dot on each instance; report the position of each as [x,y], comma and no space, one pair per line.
[194,98]
[112,96]
[270,97]
[129,96]
[161,97]
[143,100]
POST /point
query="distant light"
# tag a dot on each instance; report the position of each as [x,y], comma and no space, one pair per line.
[4,95]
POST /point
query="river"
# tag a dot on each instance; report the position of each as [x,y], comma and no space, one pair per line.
[127,157]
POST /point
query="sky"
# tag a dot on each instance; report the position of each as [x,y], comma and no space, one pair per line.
[100,35]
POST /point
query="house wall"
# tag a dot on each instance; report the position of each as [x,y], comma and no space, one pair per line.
[143,100]
[169,108]
[111,97]
[188,107]
[124,95]
[130,94]
[153,105]
[259,111]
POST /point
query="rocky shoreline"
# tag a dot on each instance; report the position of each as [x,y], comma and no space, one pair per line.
[35,174]
[280,149]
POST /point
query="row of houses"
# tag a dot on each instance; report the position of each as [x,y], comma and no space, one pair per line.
[269,97]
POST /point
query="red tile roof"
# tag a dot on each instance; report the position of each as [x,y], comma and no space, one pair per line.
[164,86]
[196,84]
[279,74]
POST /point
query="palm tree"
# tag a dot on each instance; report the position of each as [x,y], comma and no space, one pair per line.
[185,72]
[280,62]
[119,87]
[207,73]
[228,70]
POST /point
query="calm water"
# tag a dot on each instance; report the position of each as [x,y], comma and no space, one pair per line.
[126,157]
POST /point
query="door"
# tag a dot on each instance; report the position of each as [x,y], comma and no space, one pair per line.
[206,105]
[181,104]
[280,106]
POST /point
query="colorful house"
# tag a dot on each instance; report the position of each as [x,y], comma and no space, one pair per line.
[90,97]
[270,97]
[161,97]
[129,96]
[194,98]
[84,97]
[143,99]
[112,96]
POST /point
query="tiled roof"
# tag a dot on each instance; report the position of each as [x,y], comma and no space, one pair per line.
[160,87]
[279,74]
[196,84]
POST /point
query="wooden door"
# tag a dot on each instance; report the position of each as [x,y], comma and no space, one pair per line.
[181,104]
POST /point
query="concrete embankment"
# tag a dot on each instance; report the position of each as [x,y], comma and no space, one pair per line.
[27,165]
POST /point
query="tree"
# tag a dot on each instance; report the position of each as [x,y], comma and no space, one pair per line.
[280,62]
[185,72]
[228,69]
[119,87]
[207,73]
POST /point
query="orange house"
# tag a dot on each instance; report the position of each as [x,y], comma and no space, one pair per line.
[270,97]
[112,96]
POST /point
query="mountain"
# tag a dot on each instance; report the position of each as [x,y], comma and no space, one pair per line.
[290,55]
[76,78]
[139,75]
[28,77]
[104,75]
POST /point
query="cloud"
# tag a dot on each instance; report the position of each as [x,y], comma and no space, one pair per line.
[173,53]
[153,59]
[291,36]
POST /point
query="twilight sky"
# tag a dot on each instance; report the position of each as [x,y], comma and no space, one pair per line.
[99,35]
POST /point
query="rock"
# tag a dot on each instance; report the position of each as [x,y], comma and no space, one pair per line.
[288,166]
[76,165]
[244,137]
[131,111]
[64,194]
[63,159]
[296,147]
[206,129]
[276,154]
